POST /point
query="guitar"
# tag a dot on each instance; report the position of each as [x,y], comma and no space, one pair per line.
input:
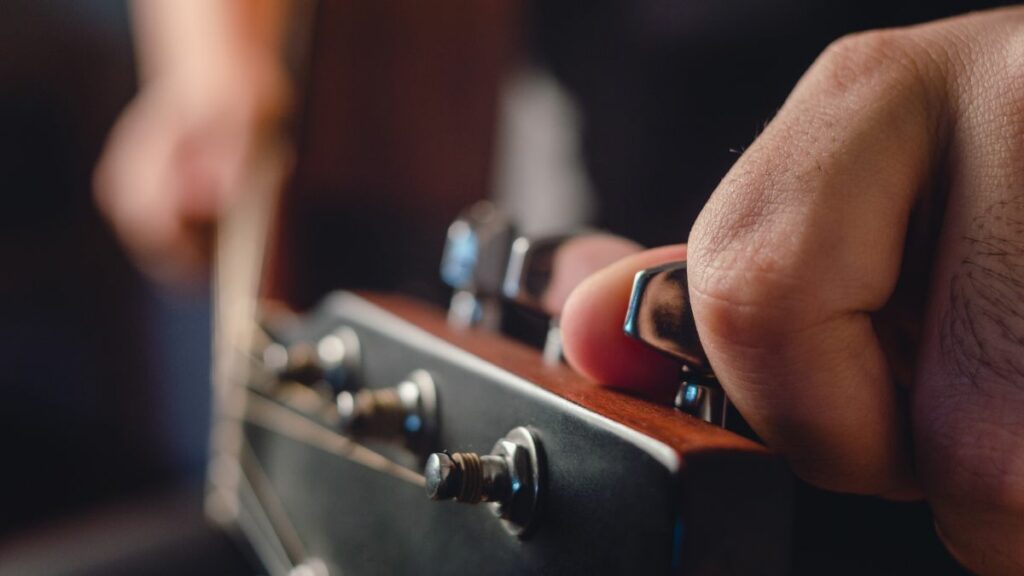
[588,479]
[488,456]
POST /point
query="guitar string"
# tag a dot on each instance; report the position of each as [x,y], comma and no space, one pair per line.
[274,417]
[271,506]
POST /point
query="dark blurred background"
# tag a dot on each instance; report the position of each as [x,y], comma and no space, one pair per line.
[105,381]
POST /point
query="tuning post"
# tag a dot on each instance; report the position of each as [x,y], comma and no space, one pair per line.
[509,479]
[406,412]
[330,362]
[660,316]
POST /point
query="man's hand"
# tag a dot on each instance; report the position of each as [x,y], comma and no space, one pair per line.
[810,252]
[171,169]
[213,99]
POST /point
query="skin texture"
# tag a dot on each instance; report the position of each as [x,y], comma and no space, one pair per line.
[810,246]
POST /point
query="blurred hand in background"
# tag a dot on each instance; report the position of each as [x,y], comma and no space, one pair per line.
[213,90]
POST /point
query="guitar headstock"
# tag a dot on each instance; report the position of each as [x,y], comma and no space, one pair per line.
[363,418]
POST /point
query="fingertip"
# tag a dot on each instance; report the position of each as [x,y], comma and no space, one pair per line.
[592,330]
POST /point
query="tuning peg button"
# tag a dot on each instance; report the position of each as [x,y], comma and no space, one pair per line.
[531,267]
[660,316]
[474,261]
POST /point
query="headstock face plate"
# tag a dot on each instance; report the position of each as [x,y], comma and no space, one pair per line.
[625,479]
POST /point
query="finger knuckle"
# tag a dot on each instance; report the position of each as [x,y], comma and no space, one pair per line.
[741,289]
[892,61]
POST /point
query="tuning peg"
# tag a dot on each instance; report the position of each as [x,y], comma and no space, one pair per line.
[540,273]
[509,478]
[660,316]
[406,412]
[531,266]
[473,264]
[331,361]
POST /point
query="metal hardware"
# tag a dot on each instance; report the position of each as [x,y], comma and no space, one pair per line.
[473,264]
[509,478]
[553,342]
[536,268]
[531,264]
[332,361]
[406,412]
[704,399]
[660,316]
[311,567]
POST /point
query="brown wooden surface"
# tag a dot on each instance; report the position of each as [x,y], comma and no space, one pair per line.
[684,434]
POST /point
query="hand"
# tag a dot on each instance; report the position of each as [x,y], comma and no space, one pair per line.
[819,237]
[174,159]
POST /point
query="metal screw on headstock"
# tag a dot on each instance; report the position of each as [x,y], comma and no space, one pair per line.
[331,362]
[509,478]
[660,316]
[406,412]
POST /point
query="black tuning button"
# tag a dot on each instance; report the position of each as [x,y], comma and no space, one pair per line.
[660,316]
